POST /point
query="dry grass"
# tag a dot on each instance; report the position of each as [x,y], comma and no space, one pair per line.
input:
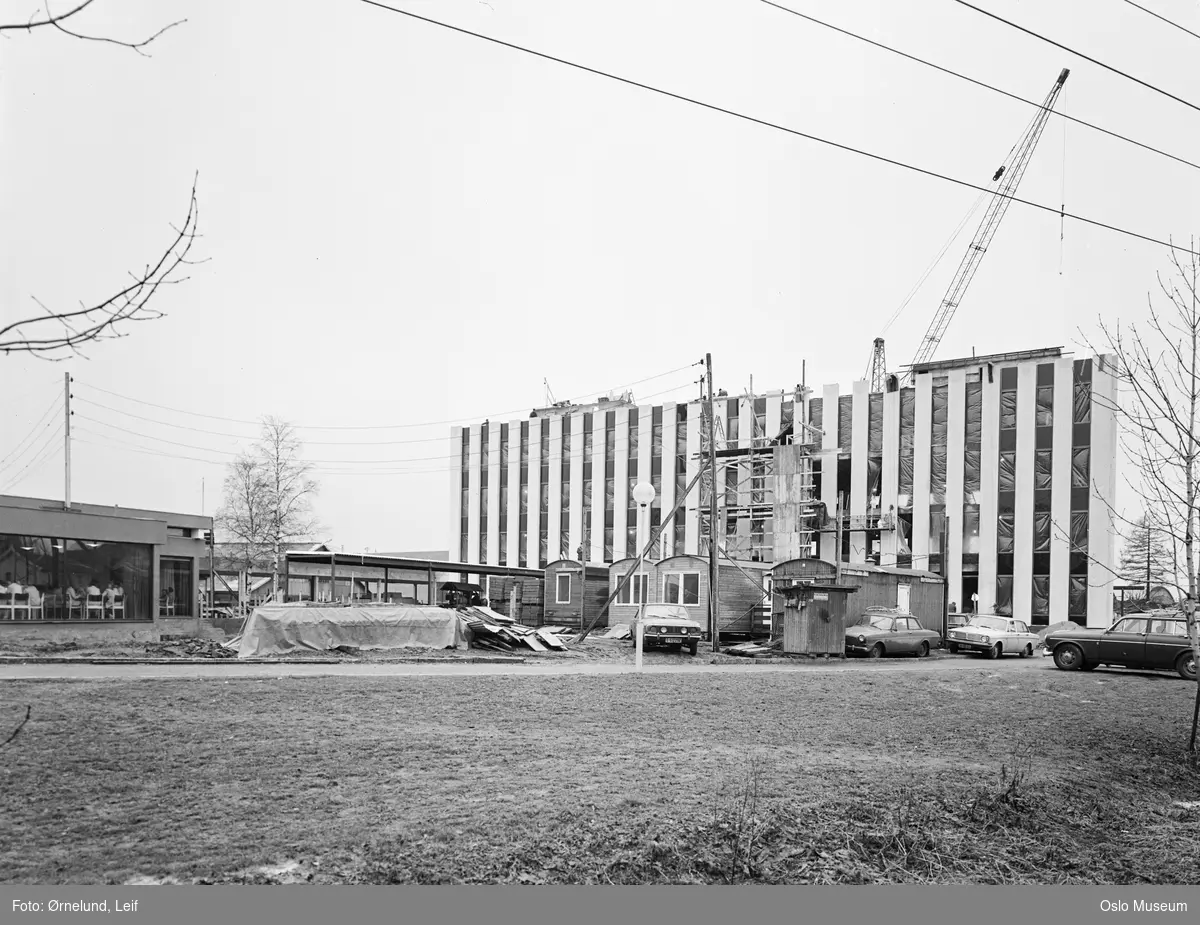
[850,777]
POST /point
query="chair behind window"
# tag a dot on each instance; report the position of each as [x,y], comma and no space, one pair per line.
[95,605]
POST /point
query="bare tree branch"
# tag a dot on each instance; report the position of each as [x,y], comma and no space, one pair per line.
[56,20]
[104,320]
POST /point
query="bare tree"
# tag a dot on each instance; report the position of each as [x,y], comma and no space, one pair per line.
[57,20]
[268,496]
[54,334]
[1157,365]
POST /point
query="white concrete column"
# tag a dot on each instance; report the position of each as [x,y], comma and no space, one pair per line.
[956,448]
[774,413]
[454,541]
[492,552]
[1023,521]
[829,416]
[989,485]
[1101,528]
[890,485]
[554,482]
[692,536]
[512,550]
[645,419]
[596,553]
[922,545]
[621,483]
[668,470]
[473,505]
[858,467]
[575,524]
[1060,495]
[533,511]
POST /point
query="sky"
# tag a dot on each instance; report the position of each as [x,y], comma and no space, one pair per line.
[404,227]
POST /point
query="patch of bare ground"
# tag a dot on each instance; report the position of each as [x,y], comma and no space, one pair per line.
[841,777]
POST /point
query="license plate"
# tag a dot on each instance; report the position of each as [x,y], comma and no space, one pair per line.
[674,639]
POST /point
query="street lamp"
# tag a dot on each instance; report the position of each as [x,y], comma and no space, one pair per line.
[643,494]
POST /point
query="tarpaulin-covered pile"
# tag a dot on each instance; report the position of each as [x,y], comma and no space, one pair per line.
[279,629]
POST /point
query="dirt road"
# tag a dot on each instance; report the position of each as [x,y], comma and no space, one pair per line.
[229,669]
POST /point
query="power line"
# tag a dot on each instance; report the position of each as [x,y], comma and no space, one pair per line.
[497,414]
[10,460]
[39,458]
[979,83]
[1163,18]
[1080,54]
[781,128]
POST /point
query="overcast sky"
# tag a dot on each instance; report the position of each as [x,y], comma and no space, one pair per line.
[406,227]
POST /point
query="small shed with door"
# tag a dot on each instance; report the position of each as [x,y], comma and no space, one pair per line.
[574,593]
[919,593]
[790,571]
[814,616]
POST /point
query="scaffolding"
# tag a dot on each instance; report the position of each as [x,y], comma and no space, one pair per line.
[746,483]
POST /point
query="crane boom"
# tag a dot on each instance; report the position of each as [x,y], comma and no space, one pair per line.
[1009,174]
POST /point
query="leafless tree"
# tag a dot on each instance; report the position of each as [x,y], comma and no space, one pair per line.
[268,496]
[1157,367]
[54,334]
[65,23]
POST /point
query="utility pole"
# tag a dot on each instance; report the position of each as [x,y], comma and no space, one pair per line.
[713,597]
[837,541]
[67,439]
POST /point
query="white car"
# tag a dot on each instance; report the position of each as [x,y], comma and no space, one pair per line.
[669,625]
[993,635]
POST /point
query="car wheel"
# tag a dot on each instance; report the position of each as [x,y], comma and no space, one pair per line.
[876,650]
[922,650]
[1027,651]
[1186,666]
[694,646]
[993,652]
[1068,657]
[953,647]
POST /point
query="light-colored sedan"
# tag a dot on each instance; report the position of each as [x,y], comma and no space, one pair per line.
[993,635]
[668,625]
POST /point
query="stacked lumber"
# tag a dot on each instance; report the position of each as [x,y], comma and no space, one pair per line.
[492,630]
[756,649]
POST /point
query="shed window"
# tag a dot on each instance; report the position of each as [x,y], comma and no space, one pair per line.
[562,589]
[683,588]
[634,591]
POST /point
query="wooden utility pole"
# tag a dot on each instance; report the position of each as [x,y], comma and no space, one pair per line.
[67,439]
[837,541]
[713,594]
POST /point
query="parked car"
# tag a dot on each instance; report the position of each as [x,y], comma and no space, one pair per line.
[882,634]
[668,625]
[1156,641]
[993,635]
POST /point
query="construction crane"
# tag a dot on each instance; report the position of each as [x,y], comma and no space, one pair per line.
[1009,177]
[877,372]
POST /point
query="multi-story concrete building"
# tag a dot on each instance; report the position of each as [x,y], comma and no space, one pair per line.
[997,472]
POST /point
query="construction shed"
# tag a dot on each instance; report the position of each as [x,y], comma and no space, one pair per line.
[575,594]
[743,608]
[919,593]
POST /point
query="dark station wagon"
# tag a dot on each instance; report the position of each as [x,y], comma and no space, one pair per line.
[1156,641]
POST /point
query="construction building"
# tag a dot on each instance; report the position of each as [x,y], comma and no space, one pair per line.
[995,472]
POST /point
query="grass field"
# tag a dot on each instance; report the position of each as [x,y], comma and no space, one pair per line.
[918,776]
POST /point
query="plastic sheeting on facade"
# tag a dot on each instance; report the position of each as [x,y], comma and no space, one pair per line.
[908,419]
[1008,471]
[874,476]
[974,413]
[906,479]
[1079,531]
[972,459]
[1083,402]
[1077,597]
[1004,533]
[1080,459]
[815,416]
[875,424]
[1041,595]
[280,629]
[1043,469]
[1004,594]
[1041,531]
[937,475]
[941,409]
[845,422]
[786,415]
[1008,410]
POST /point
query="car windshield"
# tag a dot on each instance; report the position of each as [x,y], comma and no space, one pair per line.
[879,621]
[986,622]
